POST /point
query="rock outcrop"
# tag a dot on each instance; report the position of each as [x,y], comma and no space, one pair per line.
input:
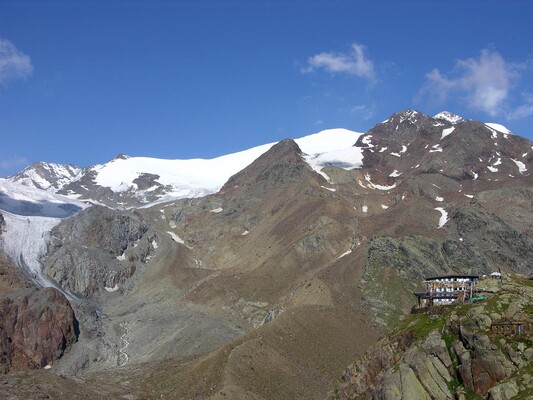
[450,352]
[96,249]
[37,326]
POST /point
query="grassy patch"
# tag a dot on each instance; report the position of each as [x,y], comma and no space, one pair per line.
[528,309]
[449,338]
[420,324]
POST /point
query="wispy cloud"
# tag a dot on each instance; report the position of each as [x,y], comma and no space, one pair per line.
[354,62]
[523,111]
[365,111]
[14,162]
[485,82]
[14,64]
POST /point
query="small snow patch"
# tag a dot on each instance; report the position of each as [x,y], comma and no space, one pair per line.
[122,257]
[469,195]
[344,254]
[246,232]
[385,148]
[176,238]
[492,169]
[216,210]
[521,166]
[395,154]
[443,217]
[379,187]
[365,209]
[367,140]
[154,244]
[446,132]
[384,206]
[439,198]
[113,289]
[436,148]
[404,149]
[48,367]
[395,174]
[330,189]
[497,127]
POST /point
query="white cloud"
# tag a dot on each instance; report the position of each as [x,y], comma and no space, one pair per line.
[13,63]
[485,81]
[353,63]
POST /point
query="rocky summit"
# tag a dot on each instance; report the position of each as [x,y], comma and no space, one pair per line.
[280,270]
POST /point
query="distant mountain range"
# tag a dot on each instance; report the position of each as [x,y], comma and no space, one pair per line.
[126,182]
[261,274]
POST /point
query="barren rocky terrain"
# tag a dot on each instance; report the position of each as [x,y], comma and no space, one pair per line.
[271,287]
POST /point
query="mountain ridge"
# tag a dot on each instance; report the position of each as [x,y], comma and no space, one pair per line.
[269,287]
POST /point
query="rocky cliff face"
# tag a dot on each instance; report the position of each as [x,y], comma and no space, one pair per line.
[36,328]
[98,248]
[453,352]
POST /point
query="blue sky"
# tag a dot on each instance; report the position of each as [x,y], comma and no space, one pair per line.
[81,81]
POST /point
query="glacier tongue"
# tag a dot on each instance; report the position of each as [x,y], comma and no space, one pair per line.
[29,215]
[24,242]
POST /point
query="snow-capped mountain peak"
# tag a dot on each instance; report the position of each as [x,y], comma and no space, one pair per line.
[448,116]
[133,181]
[46,176]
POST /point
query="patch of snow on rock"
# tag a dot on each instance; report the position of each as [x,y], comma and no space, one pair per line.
[521,166]
[443,217]
[395,174]
[367,140]
[113,289]
[379,187]
[365,209]
[345,254]
[175,237]
[216,210]
[440,199]
[447,131]
[498,127]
